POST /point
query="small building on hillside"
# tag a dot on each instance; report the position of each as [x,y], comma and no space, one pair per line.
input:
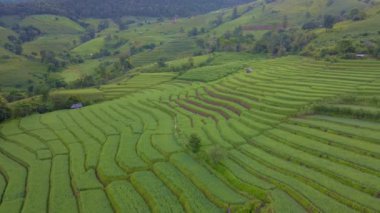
[360,55]
[249,70]
[76,106]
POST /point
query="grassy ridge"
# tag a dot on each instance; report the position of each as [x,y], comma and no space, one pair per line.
[18,70]
[51,24]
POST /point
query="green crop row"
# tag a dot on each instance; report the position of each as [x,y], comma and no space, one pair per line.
[213,134]
[342,193]
[277,179]
[345,174]
[82,179]
[366,134]
[61,195]
[107,169]
[166,144]
[127,156]
[44,134]
[16,177]
[155,193]
[88,127]
[28,142]
[124,197]
[216,190]
[349,122]
[31,123]
[38,175]
[95,120]
[11,127]
[191,197]
[146,150]
[312,146]
[94,200]
[351,144]
[128,117]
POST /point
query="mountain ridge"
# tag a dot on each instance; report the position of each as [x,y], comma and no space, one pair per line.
[114,8]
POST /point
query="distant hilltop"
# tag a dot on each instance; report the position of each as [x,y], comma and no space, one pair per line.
[114,8]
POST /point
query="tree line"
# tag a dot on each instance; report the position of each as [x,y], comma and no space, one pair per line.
[116,8]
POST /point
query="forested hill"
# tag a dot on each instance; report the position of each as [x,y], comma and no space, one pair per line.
[115,8]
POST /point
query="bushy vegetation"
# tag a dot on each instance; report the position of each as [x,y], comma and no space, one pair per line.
[194,143]
[212,72]
[351,106]
[348,111]
[283,42]
[5,112]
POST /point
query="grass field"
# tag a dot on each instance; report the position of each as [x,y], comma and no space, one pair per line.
[169,50]
[130,154]
[51,24]
[74,72]
[16,71]
[54,43]
[89,48]
[4,33]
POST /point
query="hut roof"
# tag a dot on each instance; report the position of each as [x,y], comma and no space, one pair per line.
[76,106]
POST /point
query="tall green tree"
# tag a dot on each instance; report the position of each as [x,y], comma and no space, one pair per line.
[194,143]
[5,112]
[328,21]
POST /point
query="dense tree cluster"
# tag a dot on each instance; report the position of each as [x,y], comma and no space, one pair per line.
[194,143]
[235,41]
[283,42]
[117,8]
[5,112]
[339,107]
[348,49]
[24,34]
[106,71]
[14,45]
[28,33]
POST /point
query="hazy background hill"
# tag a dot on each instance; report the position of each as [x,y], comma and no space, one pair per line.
[115,8]
[12,1]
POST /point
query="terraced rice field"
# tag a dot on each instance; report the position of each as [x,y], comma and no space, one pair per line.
[130,154]
[172,49]
[136,83]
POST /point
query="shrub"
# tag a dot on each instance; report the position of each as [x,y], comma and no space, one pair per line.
[161,62]
[194,143]
[329,21]
[64,101]
[216,155]
[311,25]
[5,112]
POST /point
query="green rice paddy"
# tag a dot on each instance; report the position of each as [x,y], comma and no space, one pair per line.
[130,154]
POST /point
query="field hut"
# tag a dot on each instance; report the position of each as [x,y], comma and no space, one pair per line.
[76,106]
[360,55]
[249,70]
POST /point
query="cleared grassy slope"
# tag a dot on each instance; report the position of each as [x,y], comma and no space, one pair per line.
[17,70]
[55,43]
[51,24]
[4,33]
